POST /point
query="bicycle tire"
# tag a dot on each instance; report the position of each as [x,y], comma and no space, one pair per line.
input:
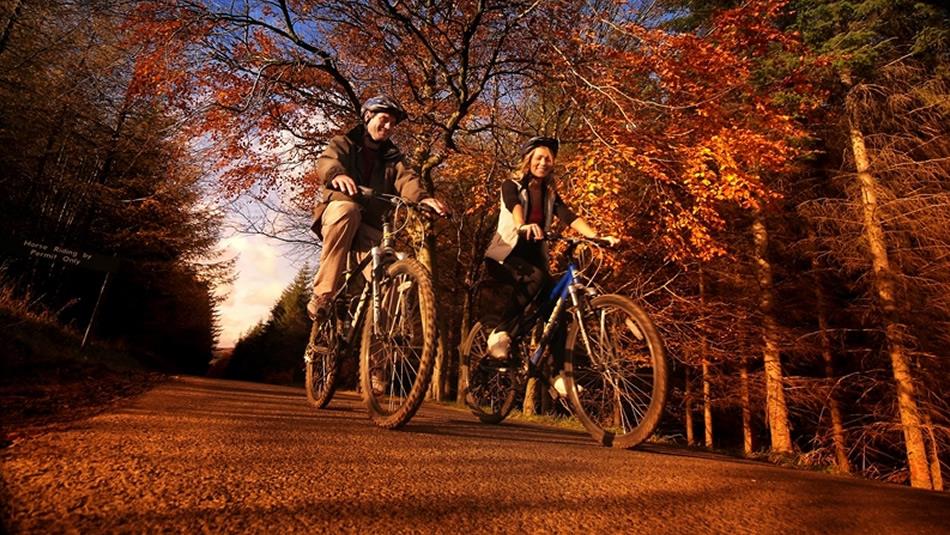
[400,360]
[322,362]
[623,389]
[492,387]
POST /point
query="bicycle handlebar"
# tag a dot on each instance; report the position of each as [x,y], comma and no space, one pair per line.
[363,192]
[575,241]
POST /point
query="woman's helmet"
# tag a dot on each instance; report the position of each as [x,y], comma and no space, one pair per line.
[383,103]
[540,141]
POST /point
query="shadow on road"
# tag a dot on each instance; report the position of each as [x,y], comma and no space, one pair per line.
[507,431]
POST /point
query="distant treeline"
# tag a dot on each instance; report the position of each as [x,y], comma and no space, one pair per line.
[272,350]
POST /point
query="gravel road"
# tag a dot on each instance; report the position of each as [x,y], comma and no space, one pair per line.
[206,455]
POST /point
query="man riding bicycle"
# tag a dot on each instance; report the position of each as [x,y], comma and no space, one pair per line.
[366,157]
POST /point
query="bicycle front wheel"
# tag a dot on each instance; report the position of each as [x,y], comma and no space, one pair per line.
[491,385]
[396,364]
[322,362]
[616,372]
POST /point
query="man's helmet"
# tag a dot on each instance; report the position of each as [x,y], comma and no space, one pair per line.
[383,103]
[540,141]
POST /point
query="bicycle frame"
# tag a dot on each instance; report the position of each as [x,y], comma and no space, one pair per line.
[567,289]
[378,257]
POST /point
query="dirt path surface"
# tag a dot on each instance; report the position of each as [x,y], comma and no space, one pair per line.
[202,455]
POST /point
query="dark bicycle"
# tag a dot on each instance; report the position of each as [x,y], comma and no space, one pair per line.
[614,370]
[394,315]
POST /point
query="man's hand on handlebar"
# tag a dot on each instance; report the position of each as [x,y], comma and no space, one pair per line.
[436,205]
[344,183]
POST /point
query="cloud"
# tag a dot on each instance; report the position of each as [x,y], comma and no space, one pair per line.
[262,273]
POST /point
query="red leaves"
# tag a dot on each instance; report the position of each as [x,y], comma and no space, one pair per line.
[689,124]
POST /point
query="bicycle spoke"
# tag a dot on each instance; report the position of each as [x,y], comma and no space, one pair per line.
[397,361]
[621,390]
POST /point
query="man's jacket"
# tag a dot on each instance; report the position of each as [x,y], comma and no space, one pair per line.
[390,174]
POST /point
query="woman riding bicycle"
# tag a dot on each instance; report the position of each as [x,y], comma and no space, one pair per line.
[517,253]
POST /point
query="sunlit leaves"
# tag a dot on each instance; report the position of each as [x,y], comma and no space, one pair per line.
[686,125]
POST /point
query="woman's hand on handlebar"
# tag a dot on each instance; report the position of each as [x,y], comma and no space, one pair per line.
[344,184]
[532,231]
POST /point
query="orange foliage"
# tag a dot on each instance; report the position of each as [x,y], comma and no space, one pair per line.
[684,127]
[677,127]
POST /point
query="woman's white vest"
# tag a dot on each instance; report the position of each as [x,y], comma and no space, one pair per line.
[506,235]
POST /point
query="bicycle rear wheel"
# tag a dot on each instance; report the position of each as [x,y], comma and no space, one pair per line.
[322,362]
[616,375]
[396,365]
[492,385]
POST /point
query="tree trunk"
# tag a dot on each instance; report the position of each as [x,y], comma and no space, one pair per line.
[688,417]
[465,327]
[468,311]
[531,390]
[530,395]
[837,427]
[427,257]
[746,408]
[704,356]
[883,280]
[936,474]
[436,392]
[776,409]
[707,405]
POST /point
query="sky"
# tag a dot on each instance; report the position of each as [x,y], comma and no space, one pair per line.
[261,274]
[264,266]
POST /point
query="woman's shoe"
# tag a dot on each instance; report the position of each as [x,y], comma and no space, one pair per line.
[498,344]
[560,385]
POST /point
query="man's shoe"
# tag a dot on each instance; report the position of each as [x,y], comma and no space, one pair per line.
[318,308]
[498,344]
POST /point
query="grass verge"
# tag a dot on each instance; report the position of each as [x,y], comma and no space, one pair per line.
[45,380]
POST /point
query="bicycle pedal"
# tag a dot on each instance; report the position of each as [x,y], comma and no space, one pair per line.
[507,362]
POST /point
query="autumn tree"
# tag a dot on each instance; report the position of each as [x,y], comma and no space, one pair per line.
[91,165]
[888,57]
[687,125]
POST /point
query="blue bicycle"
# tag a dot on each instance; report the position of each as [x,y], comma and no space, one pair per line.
[614,366]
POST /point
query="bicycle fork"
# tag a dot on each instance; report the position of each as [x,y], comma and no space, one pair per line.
[380,254]
[378,267]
